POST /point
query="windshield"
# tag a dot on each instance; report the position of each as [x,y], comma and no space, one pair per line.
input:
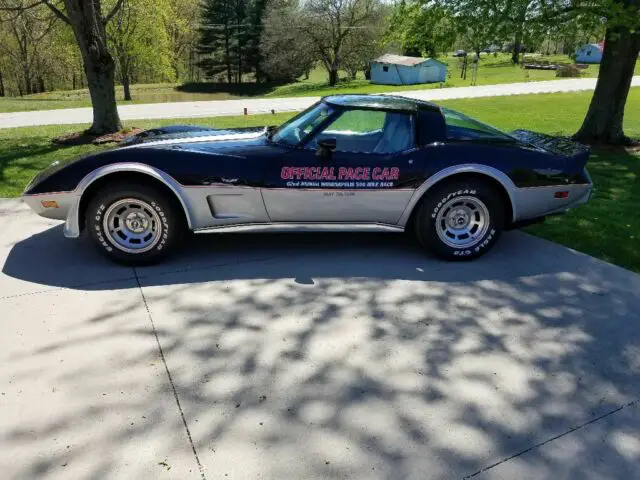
[301,125]
[461,127]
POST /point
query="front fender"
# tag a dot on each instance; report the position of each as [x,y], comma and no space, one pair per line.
[72,223]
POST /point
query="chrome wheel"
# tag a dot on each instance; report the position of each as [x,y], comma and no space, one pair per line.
[132,225]
[462,222]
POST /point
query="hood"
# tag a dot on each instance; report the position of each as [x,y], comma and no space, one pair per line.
[185,134]
[65,175]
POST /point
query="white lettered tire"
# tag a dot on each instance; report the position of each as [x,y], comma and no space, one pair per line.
[460,219]
[133,224]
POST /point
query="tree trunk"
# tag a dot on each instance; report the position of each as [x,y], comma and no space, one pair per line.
[2,93]
[126,85]
[227,52]
[517,41]
[28,86]
[603,123]
[333,76]
[517,45]
[86,20]
[239,74]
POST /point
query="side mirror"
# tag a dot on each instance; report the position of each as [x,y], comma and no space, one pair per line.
[326,147]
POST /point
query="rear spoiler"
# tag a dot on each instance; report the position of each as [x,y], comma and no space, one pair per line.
[560,146]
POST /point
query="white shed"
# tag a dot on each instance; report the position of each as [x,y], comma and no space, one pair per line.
[589,53]
[400,70]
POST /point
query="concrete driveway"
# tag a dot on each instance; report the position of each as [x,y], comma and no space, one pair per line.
[314,356]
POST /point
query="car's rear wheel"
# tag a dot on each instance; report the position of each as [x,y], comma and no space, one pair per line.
[461,219]
[133,224]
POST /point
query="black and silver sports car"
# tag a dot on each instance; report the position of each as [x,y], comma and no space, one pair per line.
[352,162]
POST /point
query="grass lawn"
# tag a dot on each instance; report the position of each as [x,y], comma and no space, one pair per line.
[607,227]
[492,70]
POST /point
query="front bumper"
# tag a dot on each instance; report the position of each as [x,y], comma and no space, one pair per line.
[57,206]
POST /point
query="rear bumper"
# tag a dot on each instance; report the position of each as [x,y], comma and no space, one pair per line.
[541,201]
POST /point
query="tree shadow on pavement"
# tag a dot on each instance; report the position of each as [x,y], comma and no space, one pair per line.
[356,356]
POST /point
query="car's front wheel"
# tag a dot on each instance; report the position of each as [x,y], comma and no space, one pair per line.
[133,224]
[460,219]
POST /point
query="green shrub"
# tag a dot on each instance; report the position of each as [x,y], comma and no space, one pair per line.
[568,71]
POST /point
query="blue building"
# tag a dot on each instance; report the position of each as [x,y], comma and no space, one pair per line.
[399,70]
[590,53]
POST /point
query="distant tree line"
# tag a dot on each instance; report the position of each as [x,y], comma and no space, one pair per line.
[62,44]
[151,41]
[280,40]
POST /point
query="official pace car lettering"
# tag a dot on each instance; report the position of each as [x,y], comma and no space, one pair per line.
[340,177]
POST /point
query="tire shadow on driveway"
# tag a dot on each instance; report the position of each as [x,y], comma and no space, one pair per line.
[48,259]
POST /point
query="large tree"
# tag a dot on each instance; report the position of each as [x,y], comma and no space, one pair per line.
[502,19]
[621,18]
[140,42]
[37,51]
[476,35]
[280,62]
[23,39]
[422,28]
[182,29]
[604,121]
[217,35]
[230,38]
[88,22]
[328,24]
[359,50]
[517,15]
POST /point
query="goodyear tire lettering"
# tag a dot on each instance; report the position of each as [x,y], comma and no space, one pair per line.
[444,200]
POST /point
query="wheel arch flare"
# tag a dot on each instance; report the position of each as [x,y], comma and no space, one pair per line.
[504,185]
[98,178]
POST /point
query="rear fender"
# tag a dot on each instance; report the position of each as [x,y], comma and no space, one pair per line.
[467,168]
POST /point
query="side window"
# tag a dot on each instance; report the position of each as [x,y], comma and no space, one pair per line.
[461,127]
[357,122]
[385,68]
[370,131]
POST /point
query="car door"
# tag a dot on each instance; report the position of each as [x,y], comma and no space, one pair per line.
[368,178]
